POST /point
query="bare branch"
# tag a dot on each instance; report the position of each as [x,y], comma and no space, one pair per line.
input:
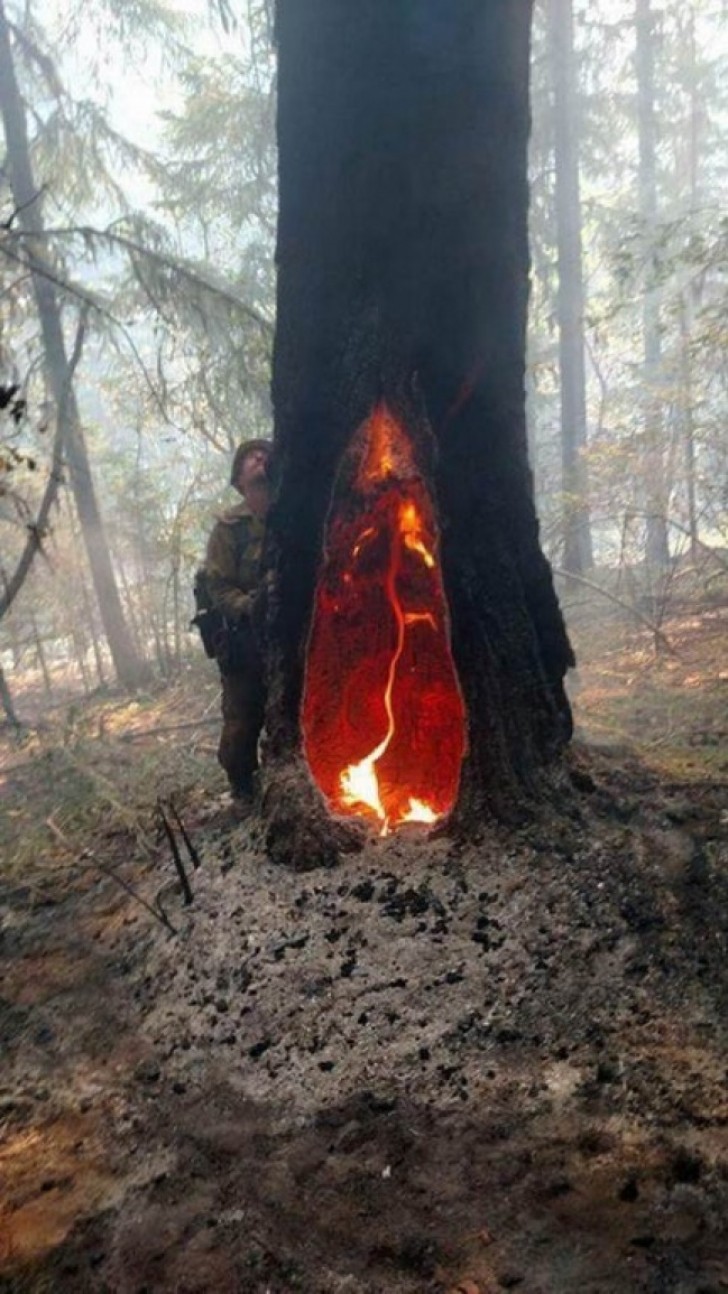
[612,597]
[94,304]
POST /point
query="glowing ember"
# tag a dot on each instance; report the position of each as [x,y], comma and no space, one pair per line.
[380,677]
[411,530]
[419,812]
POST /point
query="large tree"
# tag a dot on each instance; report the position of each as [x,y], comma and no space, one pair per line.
[403,282]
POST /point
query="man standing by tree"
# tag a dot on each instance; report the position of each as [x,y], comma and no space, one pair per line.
[232,569]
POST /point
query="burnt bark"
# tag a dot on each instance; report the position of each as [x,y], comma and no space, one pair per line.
[403,276]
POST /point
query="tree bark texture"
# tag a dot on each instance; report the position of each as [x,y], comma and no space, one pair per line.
[657,551]
[403,277]
[59,369]
[690,297]
[578,556]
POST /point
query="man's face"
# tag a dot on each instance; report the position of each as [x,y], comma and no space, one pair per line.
[253,470]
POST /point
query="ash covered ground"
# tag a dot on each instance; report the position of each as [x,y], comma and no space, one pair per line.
[437,1067]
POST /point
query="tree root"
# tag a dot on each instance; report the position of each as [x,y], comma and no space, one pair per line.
[300,833]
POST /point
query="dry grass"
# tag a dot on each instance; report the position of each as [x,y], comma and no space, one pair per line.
[671,707]
[98,768]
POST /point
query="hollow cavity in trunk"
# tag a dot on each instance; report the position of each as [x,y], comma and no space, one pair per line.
[383,715]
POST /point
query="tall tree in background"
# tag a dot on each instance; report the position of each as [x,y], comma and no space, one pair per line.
[403,276]
[657,549]
[578,555]
[129,668]
[691,292]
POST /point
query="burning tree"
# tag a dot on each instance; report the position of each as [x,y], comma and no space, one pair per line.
[417,648]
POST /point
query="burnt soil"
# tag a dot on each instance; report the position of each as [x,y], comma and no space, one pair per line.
[435,1068]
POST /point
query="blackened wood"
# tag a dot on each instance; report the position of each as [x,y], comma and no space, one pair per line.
[194,856]
[403,274]
[176,856]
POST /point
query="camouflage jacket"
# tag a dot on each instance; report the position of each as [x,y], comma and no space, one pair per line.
[234,552]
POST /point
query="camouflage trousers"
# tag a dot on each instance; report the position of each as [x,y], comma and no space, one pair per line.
[243,710]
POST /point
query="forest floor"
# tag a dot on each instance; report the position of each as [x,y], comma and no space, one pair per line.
[437,1068]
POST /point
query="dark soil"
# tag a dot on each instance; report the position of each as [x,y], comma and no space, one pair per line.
[433,1068]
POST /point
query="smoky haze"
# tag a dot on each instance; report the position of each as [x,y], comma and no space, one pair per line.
[152,189]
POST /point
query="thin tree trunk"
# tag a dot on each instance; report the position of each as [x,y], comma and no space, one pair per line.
[6,701]
[41,656]
[16,646]
[176,639]
[88,612]
[131,611]
[86,599]
[79,653]
[688,301]
[657,549]
[578,556]
[688,429]
[130,670]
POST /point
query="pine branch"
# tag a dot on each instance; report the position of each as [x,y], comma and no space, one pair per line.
[35,56]
[92,303]
[181,268]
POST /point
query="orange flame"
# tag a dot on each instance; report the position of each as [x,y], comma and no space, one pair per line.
[411,529]
[359,782]
[378,662]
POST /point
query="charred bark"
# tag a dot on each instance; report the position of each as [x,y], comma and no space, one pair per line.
[403,276]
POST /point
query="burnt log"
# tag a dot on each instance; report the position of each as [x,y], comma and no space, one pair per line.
[403,271]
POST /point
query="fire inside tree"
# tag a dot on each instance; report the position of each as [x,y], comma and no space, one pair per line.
[383,720]
[417,650]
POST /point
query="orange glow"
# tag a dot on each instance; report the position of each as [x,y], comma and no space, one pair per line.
[383,718]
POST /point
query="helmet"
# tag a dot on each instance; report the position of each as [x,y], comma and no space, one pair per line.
[242,451]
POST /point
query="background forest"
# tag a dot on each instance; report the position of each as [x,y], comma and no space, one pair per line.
[455,1062]
[137,303]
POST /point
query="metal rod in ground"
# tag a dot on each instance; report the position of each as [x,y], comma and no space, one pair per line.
[196,862]
[184,882]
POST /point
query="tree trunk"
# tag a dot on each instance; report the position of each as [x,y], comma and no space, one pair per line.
[6,702]
[690,298]
[91,625]
[41,656]
[578,557]
[688,426]
[131,616]
[86,598]
[176,603]
[130,670]
[657,551]
[403,284]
